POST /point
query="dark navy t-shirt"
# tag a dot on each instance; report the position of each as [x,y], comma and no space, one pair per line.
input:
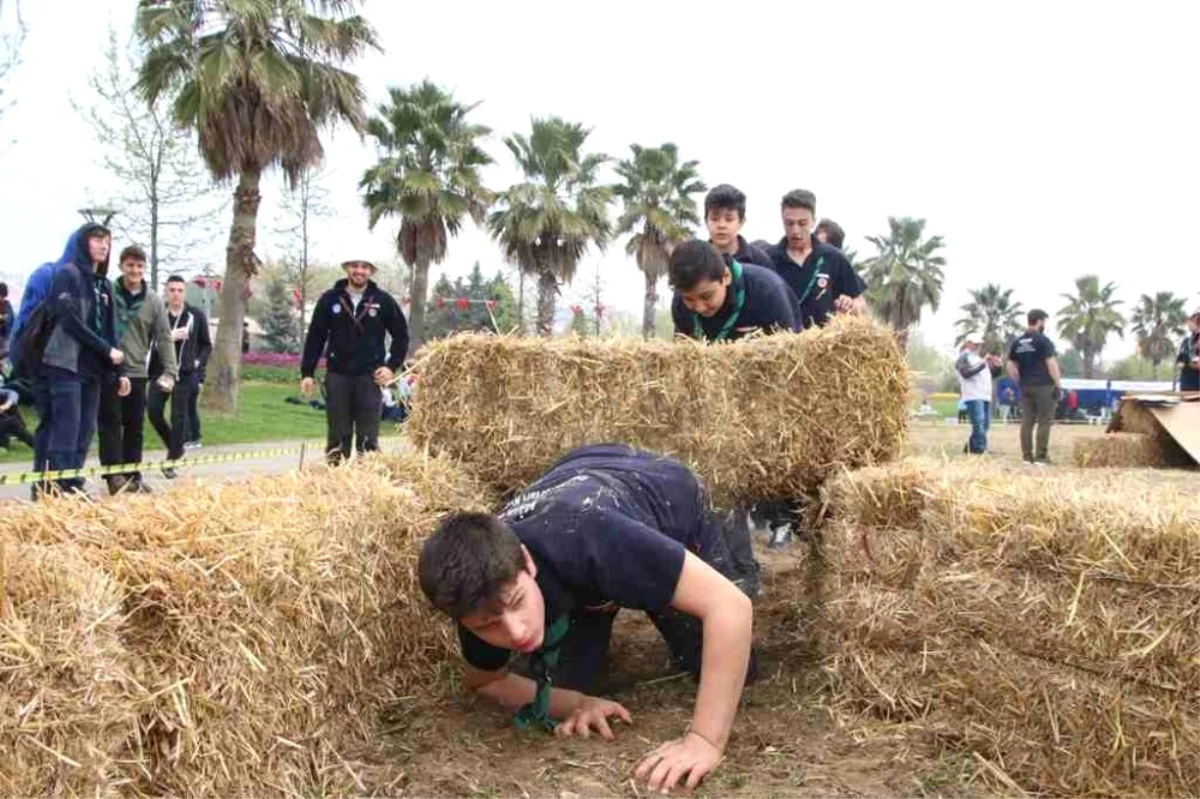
[607,524]
[824,276]
[1030,351]
[748,253]
[769,306]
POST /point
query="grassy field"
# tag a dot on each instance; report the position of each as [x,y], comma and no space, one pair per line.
[262,416]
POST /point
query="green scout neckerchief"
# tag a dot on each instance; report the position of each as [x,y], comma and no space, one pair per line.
[542,662]
[812,280]
[739,299]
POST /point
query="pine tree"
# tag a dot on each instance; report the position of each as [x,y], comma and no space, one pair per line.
[281,329]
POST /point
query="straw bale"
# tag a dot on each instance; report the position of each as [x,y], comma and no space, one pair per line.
[1127,450]
[1111,523]
[762,418]
[271,621]
[1042,727]
[62,721]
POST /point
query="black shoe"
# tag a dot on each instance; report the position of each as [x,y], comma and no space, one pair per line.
[136,486]
[116,483]
[170,473]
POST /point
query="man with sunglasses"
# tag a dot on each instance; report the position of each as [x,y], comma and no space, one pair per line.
[350,324]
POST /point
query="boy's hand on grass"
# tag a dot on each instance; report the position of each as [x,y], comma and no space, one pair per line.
[593,714]
[691,756]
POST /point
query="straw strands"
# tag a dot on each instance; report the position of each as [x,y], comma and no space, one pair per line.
[1128,450]
[1049,623]
[262,626]
[766,417]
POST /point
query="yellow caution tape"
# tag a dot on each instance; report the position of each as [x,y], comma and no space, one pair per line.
[122,468]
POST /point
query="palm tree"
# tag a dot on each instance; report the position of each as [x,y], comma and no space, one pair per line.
[657,193]
[905,275]
[257,80]
[1089,317]
[546,223]
[428,175]
[1158,322]
[992,314]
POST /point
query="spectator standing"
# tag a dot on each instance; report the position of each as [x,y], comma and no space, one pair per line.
[7,320]
[1189,355]
[1033,365]
[80,354]
[351,323]
[975,386]
[141,326]
[188,331]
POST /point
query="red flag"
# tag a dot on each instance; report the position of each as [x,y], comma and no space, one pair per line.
[491,304]
[463,304]
[296,295]
[577,309]
[200,281]
[439,302]
[217,284]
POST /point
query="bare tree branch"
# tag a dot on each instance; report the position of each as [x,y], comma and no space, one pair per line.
[166,197]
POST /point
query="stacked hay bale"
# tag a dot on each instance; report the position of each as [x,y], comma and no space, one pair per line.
[761,418]
[1123,450]
[263,625]
[1049,625]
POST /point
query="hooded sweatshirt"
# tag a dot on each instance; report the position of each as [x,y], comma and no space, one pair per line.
[83,331]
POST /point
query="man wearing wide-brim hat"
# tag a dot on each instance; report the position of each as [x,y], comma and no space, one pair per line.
[351,324]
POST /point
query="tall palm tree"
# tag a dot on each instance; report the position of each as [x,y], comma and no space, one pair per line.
[905,275]
[257,80]
[992,314]
[429,175]
[657,193]
[1158,322]
[1089,317]
[546,223]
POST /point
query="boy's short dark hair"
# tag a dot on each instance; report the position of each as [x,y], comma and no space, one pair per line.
[725,198]
[1037,315]
[467,562]
[132,252]
[176,279]
[834,234]
[800,198]
[692,261]
[3,289]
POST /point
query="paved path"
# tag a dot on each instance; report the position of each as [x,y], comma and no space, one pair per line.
[231,470]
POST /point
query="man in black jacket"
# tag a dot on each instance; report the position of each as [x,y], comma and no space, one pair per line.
[193,345]
[354,318]
[80,353]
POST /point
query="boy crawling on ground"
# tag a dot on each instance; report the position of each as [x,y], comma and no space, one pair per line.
[608,527]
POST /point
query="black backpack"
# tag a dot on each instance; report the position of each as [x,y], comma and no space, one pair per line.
[30,346]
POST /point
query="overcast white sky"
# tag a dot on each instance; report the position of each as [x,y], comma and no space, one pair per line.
[1042,140]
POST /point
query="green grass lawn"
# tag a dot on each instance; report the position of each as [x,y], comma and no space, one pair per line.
[262,416]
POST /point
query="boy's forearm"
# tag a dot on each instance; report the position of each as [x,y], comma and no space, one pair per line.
[727,635]
[512,691]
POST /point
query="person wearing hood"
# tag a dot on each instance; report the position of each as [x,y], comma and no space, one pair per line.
[81,353]
[350,324]
[141,328]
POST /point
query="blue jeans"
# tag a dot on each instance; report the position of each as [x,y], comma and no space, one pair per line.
[981,422]
[67,404]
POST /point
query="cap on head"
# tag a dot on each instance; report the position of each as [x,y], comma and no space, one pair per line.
[973,338]
[364,262]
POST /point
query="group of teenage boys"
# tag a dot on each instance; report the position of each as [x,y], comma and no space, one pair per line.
[100,355]
[610,527]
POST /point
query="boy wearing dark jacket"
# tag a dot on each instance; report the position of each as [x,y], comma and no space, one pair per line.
[141,326]
[187,330]
[607,527]
[350,324]
[80,354]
